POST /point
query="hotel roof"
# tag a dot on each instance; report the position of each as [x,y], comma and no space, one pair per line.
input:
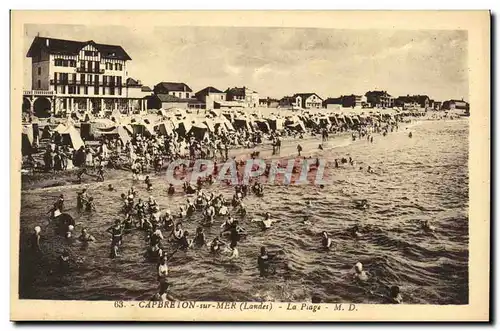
[72,47]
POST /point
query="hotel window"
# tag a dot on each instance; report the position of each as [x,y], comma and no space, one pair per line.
[89,65]
[96,90]
[86,90]
[71,89]
[78,90]
[119,91]
[74,78]
[58,62]
[103,90]
[90,79]
[65,63]
[112,91]
[82,78]
[63,89]
[104,80]
[90,53]
[173,93]
[82,65]
[96,79]
[39,71]
[96,66]
[39,84]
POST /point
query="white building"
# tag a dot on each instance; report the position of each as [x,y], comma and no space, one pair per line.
[308,100]
[209,96]
[70,76]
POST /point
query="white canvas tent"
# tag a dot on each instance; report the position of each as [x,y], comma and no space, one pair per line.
[70,136]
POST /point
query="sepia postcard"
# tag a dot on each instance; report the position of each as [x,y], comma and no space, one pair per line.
[250,166]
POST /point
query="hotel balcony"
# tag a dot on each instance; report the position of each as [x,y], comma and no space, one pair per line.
[90,70]
[38,93]
[86,82]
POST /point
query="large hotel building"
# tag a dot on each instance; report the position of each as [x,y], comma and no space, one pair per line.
[70,76]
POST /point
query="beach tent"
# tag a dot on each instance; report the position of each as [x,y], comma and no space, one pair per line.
[298,126]
[165,127]
[199,131]
[183,127]
[214,113]
[210,124]
[242,123]
[144,129]
[27,140]
[123,134]
[47,132]
[262,125]
[324,121]
[275,123]
[70,136]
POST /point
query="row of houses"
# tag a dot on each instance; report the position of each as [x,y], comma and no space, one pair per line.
[371,99]
[173,94]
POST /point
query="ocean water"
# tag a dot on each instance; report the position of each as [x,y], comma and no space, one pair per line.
[422,178]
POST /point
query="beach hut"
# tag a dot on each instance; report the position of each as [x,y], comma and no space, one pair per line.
[165,127]
[275,123]
[262,125]
[27,141]
[70,136]
[183,127]
[298,126]
[210,124]
[242,123]
[199,131]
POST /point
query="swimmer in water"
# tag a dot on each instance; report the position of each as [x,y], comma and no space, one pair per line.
[35,240]
[171,190]
[154,253]
[178,232]
[162,277]
[69,233]
[111,188]
[233,251]
[147,181]
[326,242]
[306,221]
[85,236]
[359,273]
[64,261]
[200,239]
[168,221]
[427,227]
[362,204]
[227,224]
[185,242]
[266,222]
[263,262]
[395,295]
[216,245]
[354,231]
[182,212]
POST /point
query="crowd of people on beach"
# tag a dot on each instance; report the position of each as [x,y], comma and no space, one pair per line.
[165,229]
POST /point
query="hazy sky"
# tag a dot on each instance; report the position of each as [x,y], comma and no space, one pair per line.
[283,61]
